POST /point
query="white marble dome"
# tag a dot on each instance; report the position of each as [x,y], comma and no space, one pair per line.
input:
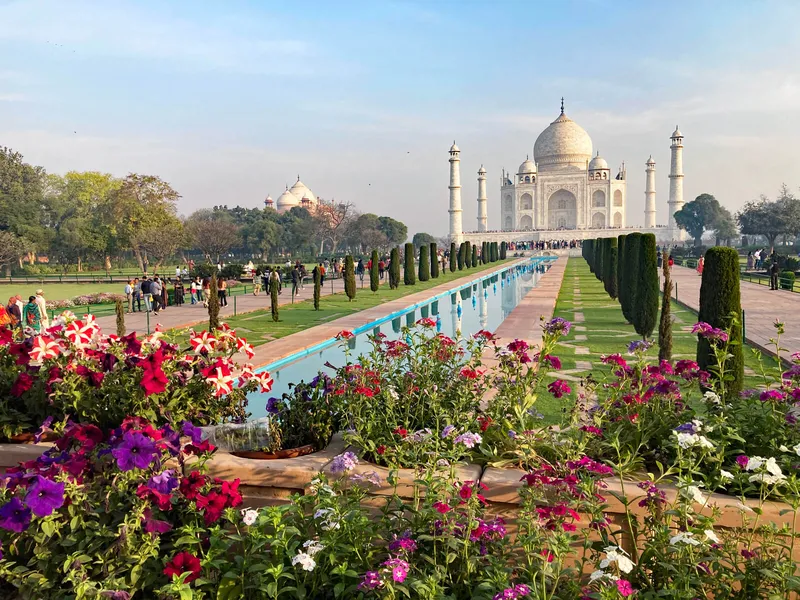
[598,162]
[299,190]
[563,144]
[527,167]
[286,201]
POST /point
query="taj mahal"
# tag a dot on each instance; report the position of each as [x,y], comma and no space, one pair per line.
[566,191]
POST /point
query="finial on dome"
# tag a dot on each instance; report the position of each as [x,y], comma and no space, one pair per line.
[562,105]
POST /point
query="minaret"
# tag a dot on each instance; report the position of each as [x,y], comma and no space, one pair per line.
[650,193]
[675,184]
[456,229]
[482,199]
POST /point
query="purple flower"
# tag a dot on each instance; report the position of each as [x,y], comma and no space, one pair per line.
[469,439]
[447,431]
[135,452]
[639,346]
[404,542]
[512,434]
[344,462]
[116,595]
[44,427]
[557,326]
[370,581]
[163,483]
[15,516]
[191,431]
[44,496]
[273,406]
[742,461]
[771,396]
[559,388]
[685,428]
[399,569]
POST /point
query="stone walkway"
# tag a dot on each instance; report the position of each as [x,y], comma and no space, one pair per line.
[762,307]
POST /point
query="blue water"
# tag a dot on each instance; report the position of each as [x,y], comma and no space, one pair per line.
[469,308]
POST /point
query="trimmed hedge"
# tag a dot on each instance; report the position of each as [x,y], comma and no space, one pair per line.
[349,277]
[503,250]
[424,263]
[632,245]
[645,311]
[462,250]
[409,278]
[374,274]
[469,253]
[721,307]
[317,286]
[434,261]
[474,259]
[620,266]
[665,324]
[453,257]
[394,268]
[610,267]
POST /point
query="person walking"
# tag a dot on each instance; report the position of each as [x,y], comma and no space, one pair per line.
[31,317]
[178,272]
[129,295]
[15,313]
[180,292]
[164,293]
[773,275]
[750,261]
[256,282]
[659,259]
[381,269]
[222,291]
[145,287]
[155,293]
[322,272]
[303,274]
[137,294]
[360,269]
[275,276]
[42,303]
[700,264]
[295,281]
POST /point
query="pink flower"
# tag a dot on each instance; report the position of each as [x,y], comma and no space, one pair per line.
[243,346]
[219,375]
[203,343]
[558,388]
[264,381]
[426,322]
[442,508]
[624,588]
[44,348]
[553,361]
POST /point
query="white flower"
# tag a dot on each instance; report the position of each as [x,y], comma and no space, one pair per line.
[328,522]
[249,516]
[683,538]
[711,535]
[597,575]
[313,546]
[767,479]
[783,448]
[754,462]
[796,449]
[710,396]
[617,555]
[305,560]
[725,474]
[693,492]
[772,466]
[744,508]
[689,440]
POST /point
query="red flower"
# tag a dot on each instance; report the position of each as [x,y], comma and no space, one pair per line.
[380,449]
[230,489]
[212,505]
[22,384]
[465,492]
[344,335]
[468,373]
[558,388]
[190,486]
[484,335]
[442,508]
[132,344]
[401,431]
[154,381]
[200,448]
[548,556]
[161,500]
[183,562]
[484,422]
[427,322]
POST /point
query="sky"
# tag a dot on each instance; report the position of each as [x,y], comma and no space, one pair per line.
[230,101]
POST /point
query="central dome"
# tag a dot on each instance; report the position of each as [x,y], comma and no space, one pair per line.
[563,144]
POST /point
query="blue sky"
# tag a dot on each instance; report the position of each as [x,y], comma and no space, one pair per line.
[229,101]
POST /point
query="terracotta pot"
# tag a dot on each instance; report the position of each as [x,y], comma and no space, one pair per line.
[288,453]
[28,438]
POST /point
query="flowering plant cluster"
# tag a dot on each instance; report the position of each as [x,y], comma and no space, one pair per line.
[74,371]
[84,299]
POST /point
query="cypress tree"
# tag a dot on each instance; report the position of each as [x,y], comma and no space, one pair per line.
[610,277]
[409,277]
[453,257]
[349,277]
[495,253]
[468,254]
[462,250]
[632,243]
[620,267]
[317,286]
[589,246]
[434,261]
[598,259]
[424,263]
[374,275]
[120,310]
[213,304]
[474,255]
[274,289]
[503,250]
[665,325]
[721,307]
[394,268]
[645,311]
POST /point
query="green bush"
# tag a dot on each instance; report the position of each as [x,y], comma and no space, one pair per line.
[721,307]
[394,268]
[274,290]
[474,259]
[599,248]
[434,261]
[632,245]
[462,250]
[587,249]
[787,280]
[453,257]
[620,267]
[374,273]
[469,255]
[424,263]
[213,304]
[232,271]
[503,250]
[610,267]
[646,308]
[409,277]
[349,277]
[204,270]
[317,286]
[665,325]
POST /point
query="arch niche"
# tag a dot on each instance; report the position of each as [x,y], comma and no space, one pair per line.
[617,219]
[507,204]
[617,198]
[526,223]
[526,202]
[508,223]
[599,199]
[562,210]
[598,220]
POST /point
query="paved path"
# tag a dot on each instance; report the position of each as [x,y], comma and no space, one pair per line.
[762,307]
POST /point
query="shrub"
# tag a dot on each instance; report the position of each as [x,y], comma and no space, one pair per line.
[349,277]
[204,270]
[599,258]
[721,308]
[645,311]
[434,261]
[394,268]
[409,277]
[503,250]
[665,325]
[374,274]
[621,289]
[461,256]
[232,271]
[424,263]
[120,310]
[587,249]
[474,258]
[610,267]
[787,280]
[632,246]
[317,286]
[453,257]
[213,304]
[469,255]
[274,290]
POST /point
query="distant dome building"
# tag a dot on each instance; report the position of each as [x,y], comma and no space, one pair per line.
[286,201]
[297,195]
[269,202]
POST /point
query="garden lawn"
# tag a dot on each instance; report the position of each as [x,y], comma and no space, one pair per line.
[598,328]
[57,291]
[259,328]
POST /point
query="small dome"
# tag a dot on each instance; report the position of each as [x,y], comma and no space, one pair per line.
[286,201]
[268,200]
[677,132]
[563,144]
[650,161]
[598,163]
[454,148]
[527,167]
[481,171]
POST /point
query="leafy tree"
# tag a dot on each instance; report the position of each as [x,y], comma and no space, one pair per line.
[214,234]
[395,231]
[213,305]
[11,248]
[453,257]
[374,275]
[645,310]
[789,208]
[331,221]
[434,261]
[422,238]
[699,215]
[721,307]
[21,198]
[162,241]
[409,277]
[317,286]
[394,268]
[665,325]
[424,263]
[349,277]
[725,229]
[762,218]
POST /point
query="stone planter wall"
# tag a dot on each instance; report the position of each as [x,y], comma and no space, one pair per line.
[13,454]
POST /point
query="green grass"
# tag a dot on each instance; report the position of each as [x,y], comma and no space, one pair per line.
[57,291]
[259,328]
[606,332]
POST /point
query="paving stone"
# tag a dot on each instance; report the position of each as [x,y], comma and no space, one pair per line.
[583,365]
[582,350]
[578,318]
[581,338]
[579,328]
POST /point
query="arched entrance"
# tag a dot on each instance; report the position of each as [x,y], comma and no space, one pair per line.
[617,219]
[562,210]
[526,223]
[508,224]
[598,220]
[526,202]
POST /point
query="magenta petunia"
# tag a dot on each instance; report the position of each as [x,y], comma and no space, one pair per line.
[44,496]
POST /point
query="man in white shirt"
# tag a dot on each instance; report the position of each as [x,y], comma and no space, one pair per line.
[129,296]
[42,304]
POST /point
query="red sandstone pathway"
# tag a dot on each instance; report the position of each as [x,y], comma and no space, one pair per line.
[761,305]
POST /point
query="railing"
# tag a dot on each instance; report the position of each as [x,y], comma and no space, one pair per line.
[784,283]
